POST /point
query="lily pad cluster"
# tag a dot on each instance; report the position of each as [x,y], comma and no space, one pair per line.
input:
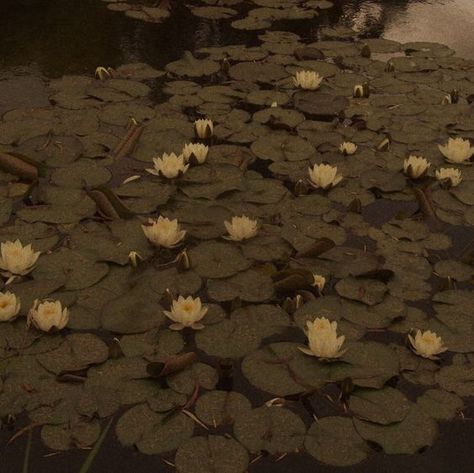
[394,252]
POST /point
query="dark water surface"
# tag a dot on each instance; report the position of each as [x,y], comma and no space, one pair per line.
[56,37]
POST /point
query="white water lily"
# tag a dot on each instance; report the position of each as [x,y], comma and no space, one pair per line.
[452,175]
[323,340]
[308,80]
[48,315]
[9,306]
[169,166]
[457,150]
[274,105]
[197,151]
[347,148]
[164,232]
[16,259]
[319,281]
[241,228]
[186,312]
[324,176]
[204,128]
[427,344]
[416,167]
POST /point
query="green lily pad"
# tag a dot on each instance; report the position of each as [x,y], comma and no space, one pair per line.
[217,260]
[272,429]
[250,285]
[384,407]
[151,432]
[439,404]
[217,408]
[415,432]
[214,454]
[335,441]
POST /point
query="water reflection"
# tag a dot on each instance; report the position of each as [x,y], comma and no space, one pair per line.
[450,22]
[66,36]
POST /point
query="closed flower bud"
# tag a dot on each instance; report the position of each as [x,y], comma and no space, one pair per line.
[365,51]
[323,340]
[361,91]
[427,344]
[347,148]
[186,312]
[390,67]
[415,167]
[164,232]
[451,176]
[446,100]
[274,105]
[169,166]
[308,80]
[384,144]
[301,188]
[241,228]
[319,282]
[102,73]
[16,259]
[134,258]
[324,176]
[182,261]
[196,153]
[203,128]
[457,150]
[454,96]
[48,315]
[9,306]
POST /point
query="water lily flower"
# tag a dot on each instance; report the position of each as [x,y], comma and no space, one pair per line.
[169,166]
[9,306]
[324,176]
[323,339]
[427,344]
[308,80]
[274,105]
[457,150]
[347,148]
[16,259]
[48,315]
[186,312]
[451,175]
[319,282]
[196,151]
[164,232]
[204,128]
[241,228]
[415,167]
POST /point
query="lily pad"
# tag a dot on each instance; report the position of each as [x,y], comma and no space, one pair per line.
[335,441]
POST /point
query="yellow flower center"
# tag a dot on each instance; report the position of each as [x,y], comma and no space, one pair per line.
[3,304]
[188,307]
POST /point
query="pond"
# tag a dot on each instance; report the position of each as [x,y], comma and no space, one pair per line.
[299,171]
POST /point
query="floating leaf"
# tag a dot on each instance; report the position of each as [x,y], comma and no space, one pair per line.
[335,441]
[214,454]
